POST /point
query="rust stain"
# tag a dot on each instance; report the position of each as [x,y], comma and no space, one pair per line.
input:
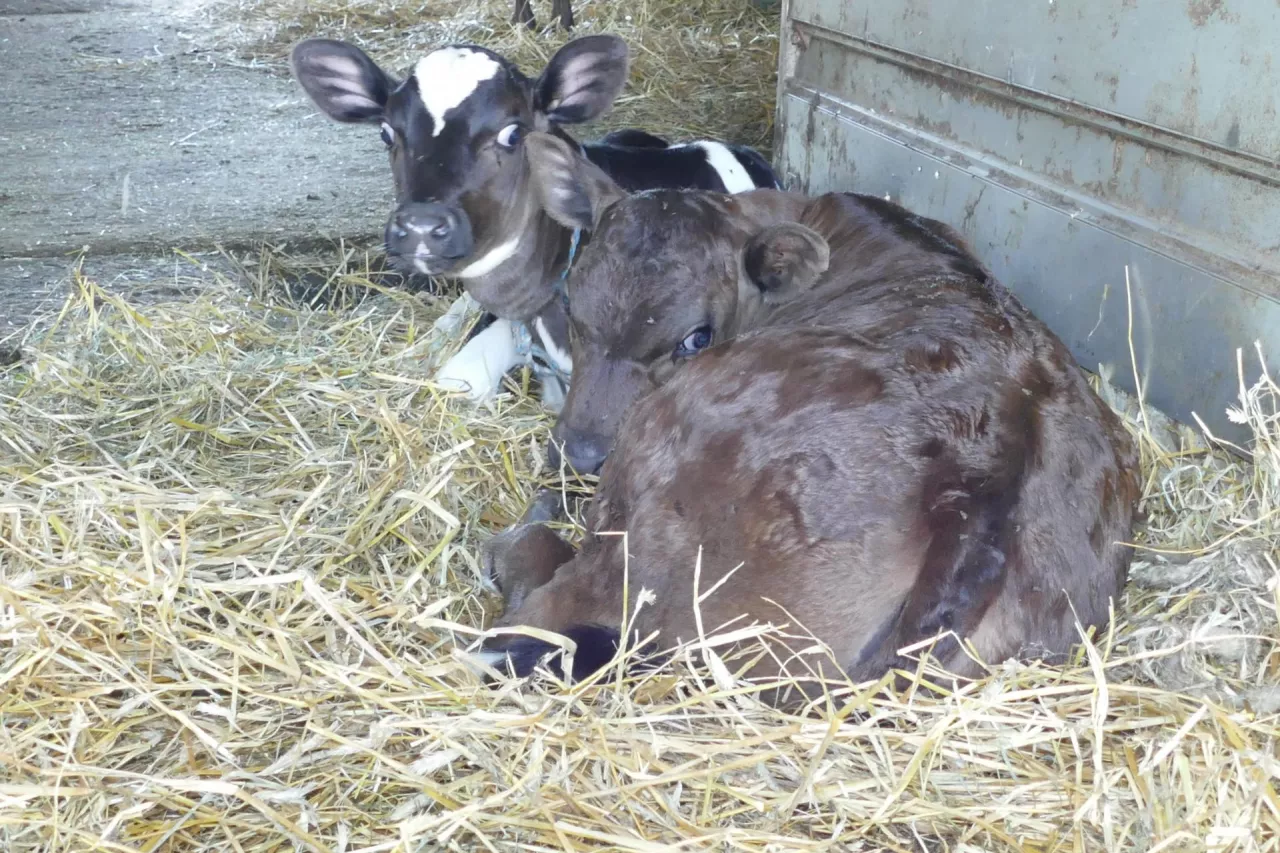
[1200,11]
[1111,80]
[970,209]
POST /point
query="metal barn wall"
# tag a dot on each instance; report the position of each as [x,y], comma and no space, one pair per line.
[1068,139]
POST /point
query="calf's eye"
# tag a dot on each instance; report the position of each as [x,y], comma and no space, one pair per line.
[509,136]
[698,339]
[388,135]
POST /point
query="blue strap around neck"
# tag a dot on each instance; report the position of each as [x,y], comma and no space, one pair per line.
[573,252]
[526,346]
[564,273]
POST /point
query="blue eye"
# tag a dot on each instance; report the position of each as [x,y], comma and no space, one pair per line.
[698,339]
[509,136]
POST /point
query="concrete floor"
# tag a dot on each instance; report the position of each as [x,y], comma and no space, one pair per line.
[119,137]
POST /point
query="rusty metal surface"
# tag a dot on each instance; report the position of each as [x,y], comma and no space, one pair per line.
[1068,141]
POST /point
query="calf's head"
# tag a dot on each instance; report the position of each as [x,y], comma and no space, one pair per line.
[454,129]
[666,275]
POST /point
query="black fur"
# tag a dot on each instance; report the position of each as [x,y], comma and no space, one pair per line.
[634,138]
[640,167]
[758,168]
[596,647]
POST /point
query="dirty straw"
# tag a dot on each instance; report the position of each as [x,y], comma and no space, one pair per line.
[239,544]
[238,551]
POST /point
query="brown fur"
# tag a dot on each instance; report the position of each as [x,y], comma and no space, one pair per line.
[895,449]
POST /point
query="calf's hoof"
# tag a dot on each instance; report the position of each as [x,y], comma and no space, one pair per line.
[522,558]
[479,366]
[546,506]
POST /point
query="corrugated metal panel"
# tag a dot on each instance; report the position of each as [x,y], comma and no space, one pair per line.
[1068,140]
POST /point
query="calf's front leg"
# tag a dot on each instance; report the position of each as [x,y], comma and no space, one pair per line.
[523,14]
[524,557]
[563,9]
[479,366]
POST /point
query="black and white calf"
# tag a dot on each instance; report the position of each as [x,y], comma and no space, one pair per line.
[465,205]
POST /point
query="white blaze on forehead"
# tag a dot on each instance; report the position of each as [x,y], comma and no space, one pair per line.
[448,76]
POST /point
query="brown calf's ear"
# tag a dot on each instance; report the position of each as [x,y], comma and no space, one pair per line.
[582,80]
[571,189]
[783,260]
[341,79]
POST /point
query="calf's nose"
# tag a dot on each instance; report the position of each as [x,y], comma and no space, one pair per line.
[553,454]
[585,452]
[428,228]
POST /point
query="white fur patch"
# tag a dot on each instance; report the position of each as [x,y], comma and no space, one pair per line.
[479,366]
[420,254]
[450,321]
[734,176]
[562,358]
[448,76]
[554,393]
[489,261]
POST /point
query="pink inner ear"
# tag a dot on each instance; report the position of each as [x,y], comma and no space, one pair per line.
[340,67]
[352,101]
[575,77]
[346,77]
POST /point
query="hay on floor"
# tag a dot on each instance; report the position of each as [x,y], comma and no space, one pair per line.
[238,547]
[699,68]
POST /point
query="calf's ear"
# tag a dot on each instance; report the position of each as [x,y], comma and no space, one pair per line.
[582,80]
[341,79]
[571,189]
[783,260]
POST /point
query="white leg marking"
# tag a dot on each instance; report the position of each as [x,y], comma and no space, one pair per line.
[563,360]
[479,366]
[735,177]
[448,76]
[490,261]
[554,394]
[450,321]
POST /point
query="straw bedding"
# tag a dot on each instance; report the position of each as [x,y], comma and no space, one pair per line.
[698,67]
[239,548]
[238,552]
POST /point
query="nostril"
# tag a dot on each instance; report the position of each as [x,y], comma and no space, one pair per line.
[585,455]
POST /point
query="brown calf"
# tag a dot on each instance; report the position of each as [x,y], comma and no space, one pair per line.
[836,396]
